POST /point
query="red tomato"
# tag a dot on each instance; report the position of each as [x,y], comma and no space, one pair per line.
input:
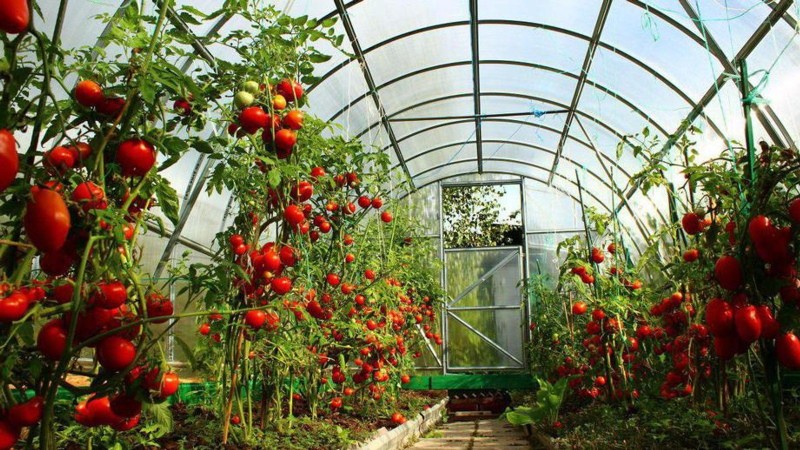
[281,285]
[294,215]
[288,256]
[719,317]
[9,159]
[579,308]
[748,324]
[692,223]
[111,107]
[612,248]
[255,319]
[115,353]
[405,379]
[9,435]
[728,272]
[126,424]
[99,412]
[13,307]
[52,339]
[293,119]
[787,347]
[285,140]
[336,403]
[726,346]
[90,196]
[59,160]
[15,17]
[47,220]
[253,118]
[377,203]
[369,274]
[317,172]
[159,306]
[205,329]
[26,414]
[89,94]
[136,157]
[769,326]
[333,279]
[236,240]
[691,255]
[110,295]
[386,217]
[303,191]
[794,210]
[290,90]
[126,406]
[183,107]
[597,255]
[169,384]
[398,418]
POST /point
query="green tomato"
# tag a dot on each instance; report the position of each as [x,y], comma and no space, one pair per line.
[243,99]
[555,336]
[251,87]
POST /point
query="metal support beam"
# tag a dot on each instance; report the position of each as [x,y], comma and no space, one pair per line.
[576,96]
[476,78]
[781,136]
[351,34]
[188,243]
[186,210]
[751,44]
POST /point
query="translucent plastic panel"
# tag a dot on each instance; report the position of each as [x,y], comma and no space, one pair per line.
[516,168]
[375,21]
[606,142]
[445,172]
[616,114]
[337,91]
[419,52]
[427,87]
[152,245]
[447,155]
[404,130]
[457,106]
[80,26]
[726,111]
[542,256]
[540,200]
[500,103]
[585,158]
[521,43]
[731,23]
[661,47]
[527,132]
[467,350]
[311,8]
[669,8]
[782,89]
[647,92]
[356,119]
[499,267]
[577,15]
[509,150]
[424,206]
[205,220]
[527,80]
[479,178]
[455,134]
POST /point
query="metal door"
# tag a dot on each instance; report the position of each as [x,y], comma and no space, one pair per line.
[483,318]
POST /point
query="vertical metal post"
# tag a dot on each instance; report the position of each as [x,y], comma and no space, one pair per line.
[443,282]
[747,104]
[526,331]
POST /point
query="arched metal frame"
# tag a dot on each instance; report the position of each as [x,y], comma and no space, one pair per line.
[780,11]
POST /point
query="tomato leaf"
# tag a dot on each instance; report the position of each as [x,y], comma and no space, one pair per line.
[167,200]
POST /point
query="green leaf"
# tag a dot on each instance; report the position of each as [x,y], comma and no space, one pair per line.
[168,201]
[187,351]
[203,146]
[274,177]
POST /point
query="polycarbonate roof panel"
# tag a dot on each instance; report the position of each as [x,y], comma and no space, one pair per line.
[660,46]
[731,22]
[502,103]
[527,132]
[456,133]
[448,155]
[528,43]
[449,170]
[526,80]
[577,15]
[513,150]
[458,106]
[337,91]
[377,21]
[606,143]
[419,52]
[426,87]
[615,113]
[586,158]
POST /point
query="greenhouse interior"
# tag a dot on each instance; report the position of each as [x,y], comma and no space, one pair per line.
[389,224]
